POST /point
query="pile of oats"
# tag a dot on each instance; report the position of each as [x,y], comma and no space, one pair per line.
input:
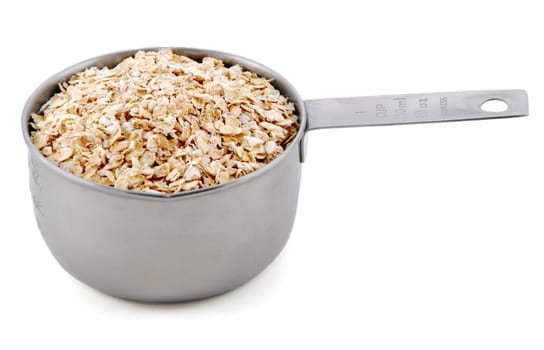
[163,122]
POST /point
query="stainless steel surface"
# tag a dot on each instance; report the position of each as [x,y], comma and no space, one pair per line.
[191,245]
[166,249]
[159,247]
[411,109]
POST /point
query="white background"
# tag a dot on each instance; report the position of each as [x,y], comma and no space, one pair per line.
[407,237]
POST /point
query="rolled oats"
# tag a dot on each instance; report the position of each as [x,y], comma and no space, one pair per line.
[161,122]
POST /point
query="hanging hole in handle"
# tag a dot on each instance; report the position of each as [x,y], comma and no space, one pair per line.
[494,105]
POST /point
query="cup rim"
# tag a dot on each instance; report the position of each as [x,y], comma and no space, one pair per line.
[279,82]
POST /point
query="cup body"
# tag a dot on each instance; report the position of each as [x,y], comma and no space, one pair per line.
[165,248]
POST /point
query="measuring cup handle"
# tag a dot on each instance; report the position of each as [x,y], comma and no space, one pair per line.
[412,108]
